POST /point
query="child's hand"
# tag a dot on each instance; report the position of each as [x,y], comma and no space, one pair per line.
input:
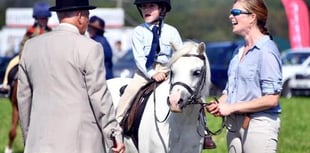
[159,76]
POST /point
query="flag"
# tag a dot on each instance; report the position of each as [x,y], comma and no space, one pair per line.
[298,23]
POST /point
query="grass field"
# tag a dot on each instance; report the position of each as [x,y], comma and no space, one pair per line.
[294,134]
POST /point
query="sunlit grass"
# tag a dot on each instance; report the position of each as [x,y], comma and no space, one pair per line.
[295,128]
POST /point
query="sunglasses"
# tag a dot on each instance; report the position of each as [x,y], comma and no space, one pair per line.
[236,12]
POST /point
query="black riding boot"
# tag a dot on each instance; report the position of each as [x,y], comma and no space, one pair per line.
[208,142]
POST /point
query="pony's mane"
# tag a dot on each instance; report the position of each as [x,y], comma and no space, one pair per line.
[186,48]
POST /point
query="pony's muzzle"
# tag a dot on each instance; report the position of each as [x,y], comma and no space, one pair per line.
[175,102]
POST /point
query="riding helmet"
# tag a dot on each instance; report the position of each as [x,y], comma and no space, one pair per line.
[41,10]
[165,2]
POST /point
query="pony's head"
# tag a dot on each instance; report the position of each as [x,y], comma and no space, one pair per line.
[189,75]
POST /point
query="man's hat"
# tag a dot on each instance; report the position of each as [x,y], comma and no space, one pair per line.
[71,5]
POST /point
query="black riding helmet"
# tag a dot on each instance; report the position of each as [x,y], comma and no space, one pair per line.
[164,2]
[161,3]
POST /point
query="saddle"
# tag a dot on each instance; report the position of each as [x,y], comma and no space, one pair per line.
[131,121]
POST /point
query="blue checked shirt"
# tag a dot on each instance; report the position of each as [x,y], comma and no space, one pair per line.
[258,74]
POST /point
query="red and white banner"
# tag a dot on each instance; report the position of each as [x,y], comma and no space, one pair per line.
[298,23]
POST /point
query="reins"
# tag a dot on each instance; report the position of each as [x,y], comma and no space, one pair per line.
[202,117]
[154,100]
[218,131]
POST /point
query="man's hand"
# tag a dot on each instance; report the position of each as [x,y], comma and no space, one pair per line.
[120,148]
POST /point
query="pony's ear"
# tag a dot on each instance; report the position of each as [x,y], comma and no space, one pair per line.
[173,46]
[202,47]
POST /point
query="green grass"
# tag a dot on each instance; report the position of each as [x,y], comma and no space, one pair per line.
[5,124]
[295,127]
[294,135]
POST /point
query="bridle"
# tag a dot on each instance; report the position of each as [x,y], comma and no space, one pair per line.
[196,97]
[195,94]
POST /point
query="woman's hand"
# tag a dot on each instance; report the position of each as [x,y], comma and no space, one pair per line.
[212,108]
[225,109]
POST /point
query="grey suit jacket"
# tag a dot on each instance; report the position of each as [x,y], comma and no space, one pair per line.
[61,88]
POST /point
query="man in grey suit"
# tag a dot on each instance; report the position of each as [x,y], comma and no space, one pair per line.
[63,99]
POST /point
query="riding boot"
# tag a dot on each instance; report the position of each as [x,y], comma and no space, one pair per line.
[208,142]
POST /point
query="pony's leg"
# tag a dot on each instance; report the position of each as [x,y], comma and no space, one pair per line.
[15,117]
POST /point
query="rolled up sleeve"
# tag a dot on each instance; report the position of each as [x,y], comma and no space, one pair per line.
[271,74]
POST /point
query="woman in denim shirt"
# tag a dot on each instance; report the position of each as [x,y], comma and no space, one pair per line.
[250,100]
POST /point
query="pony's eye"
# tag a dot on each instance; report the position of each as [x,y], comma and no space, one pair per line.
[197,73]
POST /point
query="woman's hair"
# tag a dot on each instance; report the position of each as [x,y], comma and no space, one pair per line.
[259,8]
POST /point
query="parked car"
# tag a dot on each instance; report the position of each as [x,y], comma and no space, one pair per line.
[219,55]
[296,72]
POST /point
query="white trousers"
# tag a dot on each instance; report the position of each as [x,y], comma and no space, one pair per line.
[261,136]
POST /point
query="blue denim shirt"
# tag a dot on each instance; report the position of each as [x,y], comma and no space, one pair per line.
[142,42]
[258,74]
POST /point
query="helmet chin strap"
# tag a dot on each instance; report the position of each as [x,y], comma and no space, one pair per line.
[160,19]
